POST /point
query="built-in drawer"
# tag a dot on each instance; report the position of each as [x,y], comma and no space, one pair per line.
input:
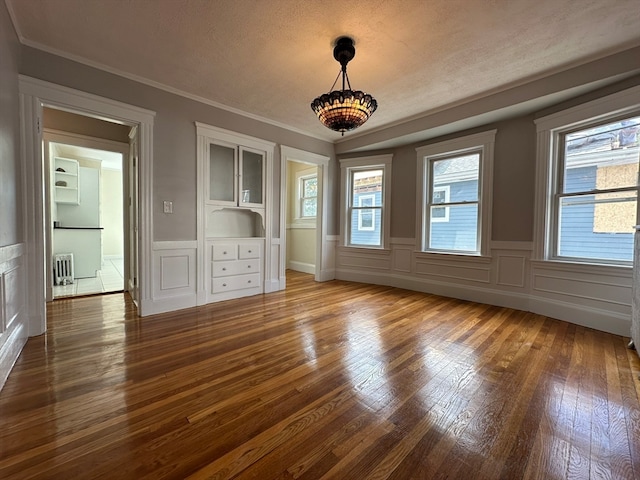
[238,282]
[249,250]
[225,251]
[240,267]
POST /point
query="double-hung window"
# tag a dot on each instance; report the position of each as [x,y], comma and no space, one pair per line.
[308,196]
[588,182]
[454,183]
[365,196]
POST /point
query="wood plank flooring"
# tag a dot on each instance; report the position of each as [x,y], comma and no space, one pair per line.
[330,380]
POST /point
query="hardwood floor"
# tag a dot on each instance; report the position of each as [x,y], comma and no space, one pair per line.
[332,380]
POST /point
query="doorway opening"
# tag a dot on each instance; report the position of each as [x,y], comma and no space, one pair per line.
[303,226]
[86,197]
[85,172]
[302,219]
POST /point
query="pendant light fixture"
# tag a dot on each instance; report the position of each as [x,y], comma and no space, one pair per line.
[346,109]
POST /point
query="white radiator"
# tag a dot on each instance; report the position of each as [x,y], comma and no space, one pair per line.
[63,268]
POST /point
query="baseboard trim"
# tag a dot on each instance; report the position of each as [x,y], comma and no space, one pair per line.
[302,267]
[169,304]
[603,320]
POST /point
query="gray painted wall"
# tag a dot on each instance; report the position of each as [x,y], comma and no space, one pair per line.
[513,172]
[175,152]
[11,216]
[174,149]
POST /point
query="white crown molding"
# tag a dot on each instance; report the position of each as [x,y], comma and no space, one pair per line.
[162,86]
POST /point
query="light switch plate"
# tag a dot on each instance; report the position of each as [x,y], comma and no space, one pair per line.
[167,206]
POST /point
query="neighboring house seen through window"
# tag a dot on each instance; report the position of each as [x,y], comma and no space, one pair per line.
[366,200]
[454,180]
[587,181]
[594,198]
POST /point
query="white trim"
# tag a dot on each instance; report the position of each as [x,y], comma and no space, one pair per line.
[599,110]
[322,241]
[600,319]
[204,135]
[616,104]
[483,142]
[368,162]
[34,94]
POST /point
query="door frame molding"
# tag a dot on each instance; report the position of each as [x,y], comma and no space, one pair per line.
[322,247]
[34,95]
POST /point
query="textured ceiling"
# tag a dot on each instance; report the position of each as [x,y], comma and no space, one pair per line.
[270,58]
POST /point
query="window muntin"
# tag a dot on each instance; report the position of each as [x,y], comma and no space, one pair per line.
[365,205]
[459,175]
[595,200]
[308,196]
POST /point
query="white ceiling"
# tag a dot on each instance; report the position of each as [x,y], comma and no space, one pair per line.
[270,58]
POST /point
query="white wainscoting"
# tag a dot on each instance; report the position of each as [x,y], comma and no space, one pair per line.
[594,296]
[591,295]
[328,265]
[13,322]
[276,280]
[173,276]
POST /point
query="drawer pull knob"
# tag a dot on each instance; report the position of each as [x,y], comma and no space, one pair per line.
[248,266]
[224,269]
[249,281]
[224,253]
[224,284]
[249,251]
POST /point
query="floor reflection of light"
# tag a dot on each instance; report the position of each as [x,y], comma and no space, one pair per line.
[367,372]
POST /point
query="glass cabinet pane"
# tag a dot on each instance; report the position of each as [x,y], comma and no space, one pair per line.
[251,190]
[222,178]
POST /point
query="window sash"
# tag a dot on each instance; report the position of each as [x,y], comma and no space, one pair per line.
[429,165]
[359,209]
[303,199]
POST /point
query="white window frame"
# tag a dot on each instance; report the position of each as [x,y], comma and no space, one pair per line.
[347,167]
[549,130]
[373,216]
[300,179]
[480,142]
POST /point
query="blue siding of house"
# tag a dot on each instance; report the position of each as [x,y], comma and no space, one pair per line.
[366,237]
[460,231]
[577,238]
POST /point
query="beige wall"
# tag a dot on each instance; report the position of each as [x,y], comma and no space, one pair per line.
[301,236]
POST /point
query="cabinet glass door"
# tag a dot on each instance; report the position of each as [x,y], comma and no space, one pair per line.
[251,191]
[222,174]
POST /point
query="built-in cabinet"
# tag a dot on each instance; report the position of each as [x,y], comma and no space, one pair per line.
[234,212]
[65,181]
[236,268]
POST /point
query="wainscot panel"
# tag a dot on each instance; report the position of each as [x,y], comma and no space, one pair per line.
[594,296]
[13,319]
[174,276]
